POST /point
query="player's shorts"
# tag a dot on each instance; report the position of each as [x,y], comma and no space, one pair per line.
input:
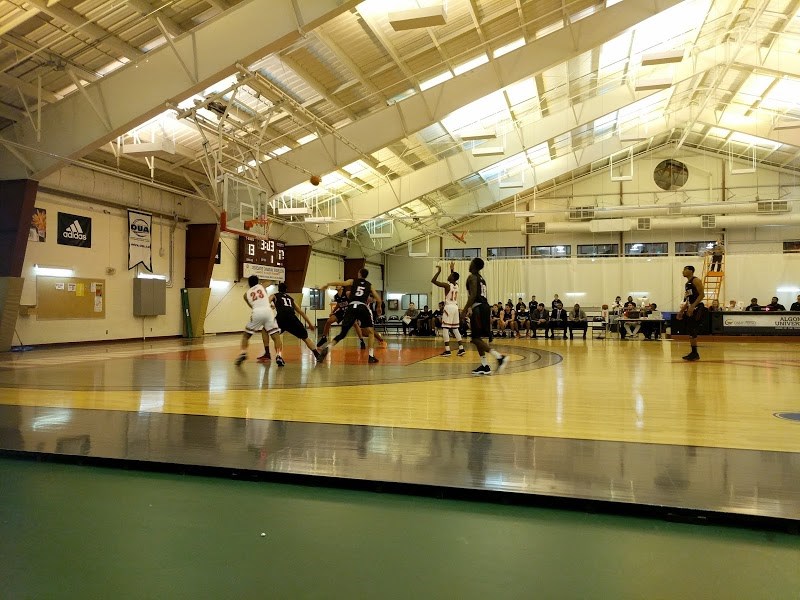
[480,326]
[262,318]
[289,323]
[450,316]
[339,314]
[356,312]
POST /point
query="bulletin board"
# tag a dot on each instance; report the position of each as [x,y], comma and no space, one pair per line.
[70,298]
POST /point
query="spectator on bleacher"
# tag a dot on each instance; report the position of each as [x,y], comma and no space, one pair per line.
[576,319]
[506,320]
[555,302]
[716,255]
[795,307]
[629,303]
[495,316]
[558,320]
[409,319]
[424,321]
[774,305]
[715,307]
[616,306]
[532,305]
[753,306]
[539,319]
[651,324]
[522,320]
[436,321]
[521,305]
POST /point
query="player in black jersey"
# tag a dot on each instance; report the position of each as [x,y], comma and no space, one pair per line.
[480,324]
[338,307]
[286,311]
[360,295]
[693,309]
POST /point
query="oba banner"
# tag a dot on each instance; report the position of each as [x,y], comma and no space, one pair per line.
[139,239]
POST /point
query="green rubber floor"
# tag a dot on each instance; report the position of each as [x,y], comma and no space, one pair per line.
[88,532]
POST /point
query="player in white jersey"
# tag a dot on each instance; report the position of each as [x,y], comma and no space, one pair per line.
[450,317]
[262,317]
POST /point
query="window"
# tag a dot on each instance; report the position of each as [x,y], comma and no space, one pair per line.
[505,252]
[692,248]
[462,253]
[586,250]
[647,249]
[419,300]
[791,247]
[551,251]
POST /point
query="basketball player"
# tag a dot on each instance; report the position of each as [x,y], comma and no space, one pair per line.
[479,323]
[450,316]
[338,307]
[286,315]
[357,310]
[694,308]
[261,317]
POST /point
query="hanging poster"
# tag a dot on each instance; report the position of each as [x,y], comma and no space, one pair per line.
[139,240]
[38,230]
[74,230]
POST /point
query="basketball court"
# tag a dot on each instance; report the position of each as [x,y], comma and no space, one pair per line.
[601,420]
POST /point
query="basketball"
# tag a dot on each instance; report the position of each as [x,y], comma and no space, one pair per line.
[315,180]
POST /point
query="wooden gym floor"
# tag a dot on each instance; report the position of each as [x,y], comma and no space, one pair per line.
[615,420]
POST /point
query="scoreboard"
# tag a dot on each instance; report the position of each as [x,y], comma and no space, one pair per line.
[261,257]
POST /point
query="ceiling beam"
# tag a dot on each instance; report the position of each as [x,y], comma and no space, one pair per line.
[137,92]
[94,31]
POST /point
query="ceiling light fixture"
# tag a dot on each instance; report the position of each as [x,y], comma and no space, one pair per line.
[662,58]
[418,18]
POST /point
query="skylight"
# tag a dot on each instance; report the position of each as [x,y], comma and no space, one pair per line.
[434,81]
[471,64]
[509,47]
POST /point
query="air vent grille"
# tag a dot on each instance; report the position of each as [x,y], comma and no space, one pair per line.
[708,221]
[581,213]
[643,223]
[532,228]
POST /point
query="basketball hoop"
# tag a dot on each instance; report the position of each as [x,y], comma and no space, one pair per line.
[260,223]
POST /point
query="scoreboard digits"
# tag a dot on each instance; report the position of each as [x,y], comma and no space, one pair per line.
[255,254]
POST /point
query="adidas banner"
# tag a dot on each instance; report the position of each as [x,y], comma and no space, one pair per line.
[74,230]
[140,241]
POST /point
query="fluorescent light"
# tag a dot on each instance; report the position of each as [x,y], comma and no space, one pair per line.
[151,276]
[575,294]
[434,81]
[645,85]
[509,47]
[638,293]
[318,220]
[418,18]
[489,151]
[788,290]
[478,135]
[302,210]
[219,285]
[53,271]
[662,58]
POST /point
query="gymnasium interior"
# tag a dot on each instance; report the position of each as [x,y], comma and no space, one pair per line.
[154,154]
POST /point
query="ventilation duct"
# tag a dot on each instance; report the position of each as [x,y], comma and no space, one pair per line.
[581,213]
[534,228]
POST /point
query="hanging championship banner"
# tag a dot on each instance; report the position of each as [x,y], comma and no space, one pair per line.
[139,240]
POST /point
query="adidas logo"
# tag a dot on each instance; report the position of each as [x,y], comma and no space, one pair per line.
[74,232]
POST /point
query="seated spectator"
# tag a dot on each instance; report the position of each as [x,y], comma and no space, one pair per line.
[715,307]
[507,320]
[651,324]
[795,307]
[436,322]
[521,305]
[521,321]
[539,319]
[555,302]
[410,319]
[558,320]
[731,305]
[495,316]
[753,306]
[532,305]
[629,303]
[616,306]
[576,319]
[774,305]
[424,321]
